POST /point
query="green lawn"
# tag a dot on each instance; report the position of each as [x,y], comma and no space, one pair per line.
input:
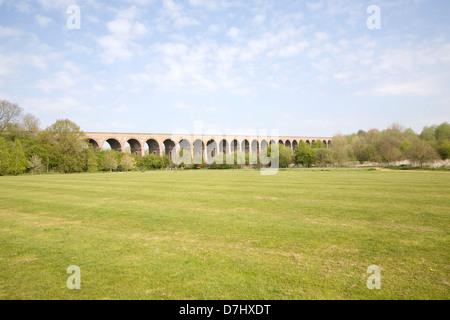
[230,234]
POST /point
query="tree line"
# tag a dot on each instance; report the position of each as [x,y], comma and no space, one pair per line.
[62,147]
[387,147]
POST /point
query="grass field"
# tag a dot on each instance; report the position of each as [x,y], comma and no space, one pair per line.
[226,234]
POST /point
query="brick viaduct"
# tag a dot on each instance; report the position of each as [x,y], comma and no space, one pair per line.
[204,144]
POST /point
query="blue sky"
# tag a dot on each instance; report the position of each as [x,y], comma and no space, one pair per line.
[306,68]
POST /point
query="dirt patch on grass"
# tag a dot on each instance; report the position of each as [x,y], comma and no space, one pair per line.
[25,260]
[412,170]
[265,198]
[335,248]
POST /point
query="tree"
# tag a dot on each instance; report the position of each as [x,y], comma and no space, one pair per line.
[339,147]
[9,113]
[110,161]
[361,149]
[127,162]
[44,149]
[92,159]
[390,142]
[428,134]
[30,124]
[67,143]
[285,156]
[421,151]
[17,159]
[35,164]
[444,149]
[443,131]
[304,155]
[316,144]
[4,156]
[323,157]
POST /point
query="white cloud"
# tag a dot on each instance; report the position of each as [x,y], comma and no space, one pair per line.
[233,33]
[63,80]
[38,61]
[55,4]
[425,86]
[42,21]
[176,13]
[8,64]
[114,48]
[23,6]
[124,30]
[52,105]
[258,19]
[9,32]
[210,4]
[314,6]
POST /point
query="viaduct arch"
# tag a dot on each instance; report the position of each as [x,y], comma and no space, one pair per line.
[198,145]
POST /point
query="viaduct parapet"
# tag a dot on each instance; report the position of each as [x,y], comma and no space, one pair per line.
[159,144]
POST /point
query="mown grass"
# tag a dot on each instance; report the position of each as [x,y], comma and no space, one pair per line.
[226,234]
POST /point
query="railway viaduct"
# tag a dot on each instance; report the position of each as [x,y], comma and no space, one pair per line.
[159,144]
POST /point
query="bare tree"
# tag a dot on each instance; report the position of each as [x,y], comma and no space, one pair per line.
[30,123]
[35,163]
[9,113]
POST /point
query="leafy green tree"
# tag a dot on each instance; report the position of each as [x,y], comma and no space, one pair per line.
[4,156]
[317,144]
[165,161]
[67,143]
[110,161]
[339,147]
[361,149]
[421,151]
[127,162]
[443,132]
[285,156]
[429,134]
[17,159]
[389,144]
[444,149]
[92,159]
[323,157]
[304,155]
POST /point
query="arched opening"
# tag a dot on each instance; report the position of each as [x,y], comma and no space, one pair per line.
[199,150]
[253,157]
[133,146]
[153,147]
[280,142]
[245,146]
[264,145]
[287,143]
[94,144]
[234,145]
[329,144]
[223,147]
[272,142]
[112,144]
[184,150]
[294,145]
[324,143]
[309,143]
[168,146]
[211,149]
[255,147]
